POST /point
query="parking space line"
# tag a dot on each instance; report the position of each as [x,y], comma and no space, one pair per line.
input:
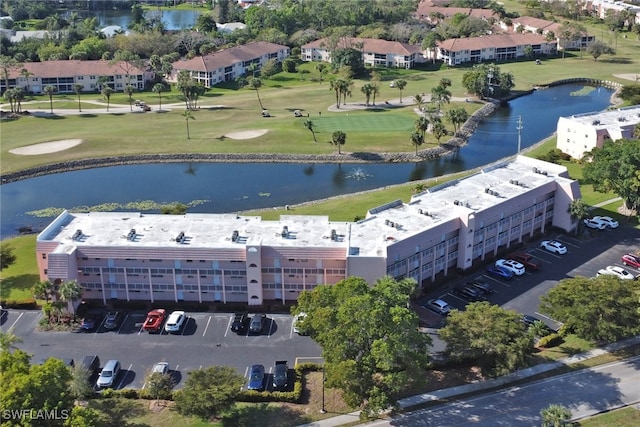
[206,327]
[228,326]
[122,324]
[186,322]
[124,377]
[270,327]
[16,321]
[496,280]
[457,297]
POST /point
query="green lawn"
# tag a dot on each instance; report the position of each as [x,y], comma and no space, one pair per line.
[17,279]
[625,417]
[379,122]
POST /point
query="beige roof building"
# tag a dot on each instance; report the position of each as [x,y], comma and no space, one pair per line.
[375,52]
[228,64]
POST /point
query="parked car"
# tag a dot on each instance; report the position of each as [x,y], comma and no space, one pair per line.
[257,323]
[439,306]
[160,368]
[595,224]
[632,260]
[607,220]
[280,375]
[529,262]
[553,246]
[175,321]
[112,320]
[614,270]
[240,322]
[529,321]
[485,288]
[256,378]
[469,293]
[298,324]
[88,323]
[512,265]
[108,375]
[499,272]
[154,320]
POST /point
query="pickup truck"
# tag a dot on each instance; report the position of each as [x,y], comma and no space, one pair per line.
[154,320]
[280,375]
[529,262]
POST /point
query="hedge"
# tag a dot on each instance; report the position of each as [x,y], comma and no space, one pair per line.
[25,304]
[550,340]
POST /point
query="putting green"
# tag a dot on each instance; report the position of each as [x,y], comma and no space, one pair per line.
[353,122]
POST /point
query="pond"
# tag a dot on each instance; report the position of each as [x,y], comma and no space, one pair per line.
[231,187]
[172,19]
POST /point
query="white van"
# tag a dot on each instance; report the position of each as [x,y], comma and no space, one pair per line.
[108,374]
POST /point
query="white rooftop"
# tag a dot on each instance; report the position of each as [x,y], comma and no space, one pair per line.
[627,116]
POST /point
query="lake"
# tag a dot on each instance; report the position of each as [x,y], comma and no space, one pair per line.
[231,187]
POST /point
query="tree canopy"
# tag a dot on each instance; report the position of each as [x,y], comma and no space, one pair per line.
[486,80]
[599,309]
[7,257]
[209,391]
[489,335]
[616,167]
[369,336]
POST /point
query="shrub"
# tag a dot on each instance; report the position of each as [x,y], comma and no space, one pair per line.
[108,393]
[26,304]
[127,393]
[551,340]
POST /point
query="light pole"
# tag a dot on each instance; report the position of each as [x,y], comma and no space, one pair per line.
[323,410]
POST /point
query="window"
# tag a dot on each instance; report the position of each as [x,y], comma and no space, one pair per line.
[44,256]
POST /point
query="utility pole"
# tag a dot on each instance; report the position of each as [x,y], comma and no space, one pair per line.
[519,127]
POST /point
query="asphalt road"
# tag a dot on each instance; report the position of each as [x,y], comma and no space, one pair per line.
[586,392]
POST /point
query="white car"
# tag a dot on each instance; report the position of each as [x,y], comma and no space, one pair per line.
[554,246]
[298,320]
[595,223]
[175,321]
[438,306]
[512,265]
[614,270]
[160,368]
[607,220]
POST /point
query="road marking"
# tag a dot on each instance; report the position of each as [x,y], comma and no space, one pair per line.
[271,326]
[496,280]
[122,324]
[206,327]
[16,321]
[228,326]
[124,377]
[186,323]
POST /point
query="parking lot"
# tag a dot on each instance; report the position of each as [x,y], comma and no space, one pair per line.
[585,256]
[206,339]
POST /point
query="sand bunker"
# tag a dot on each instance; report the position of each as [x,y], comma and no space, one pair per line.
[634,77]
[247,134]
[46,147]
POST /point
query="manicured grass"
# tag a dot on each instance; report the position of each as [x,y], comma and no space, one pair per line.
[378,122]
[17,280]
[625,417]
[571,345]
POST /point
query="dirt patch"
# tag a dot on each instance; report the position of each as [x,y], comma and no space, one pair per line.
[247,134]
[46,147]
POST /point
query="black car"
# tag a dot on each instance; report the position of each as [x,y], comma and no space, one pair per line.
[280,375]
[469,293]
[240,323]
[529,321]
[91,364]
[483,287]
[257,323]
[112,320]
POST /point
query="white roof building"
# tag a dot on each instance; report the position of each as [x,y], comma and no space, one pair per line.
[456,226]
[581,133]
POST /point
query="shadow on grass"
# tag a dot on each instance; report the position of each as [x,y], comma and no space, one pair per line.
[50,116]
[117,114]
[263,415]
[87,115]
[617,60]
[22,282]
[117,411]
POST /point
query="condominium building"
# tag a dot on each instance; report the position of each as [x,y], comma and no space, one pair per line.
[581,133]
[235,258]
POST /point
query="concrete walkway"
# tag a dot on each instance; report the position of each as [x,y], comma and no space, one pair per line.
[452,392]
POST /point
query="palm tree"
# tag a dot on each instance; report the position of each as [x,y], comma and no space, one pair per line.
[50,90]
[440,94]
[401,84]
[18,96]
[335,85]
[159,88]
[188,116]
[77,88]
[42,290]
[256,84]
[322,69]
[417,140]
[445,82]
[578,210]
[128,89]
[438,129]
[375,81]
[8,340]
[309,125]
[26,74]
[106,92]
[419,100]
[422,125]
[338,138]
[555,416]
[367,89]
[70,291]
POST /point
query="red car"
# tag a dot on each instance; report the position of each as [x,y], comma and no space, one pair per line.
[527,260]
[155,319]
[632,260]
